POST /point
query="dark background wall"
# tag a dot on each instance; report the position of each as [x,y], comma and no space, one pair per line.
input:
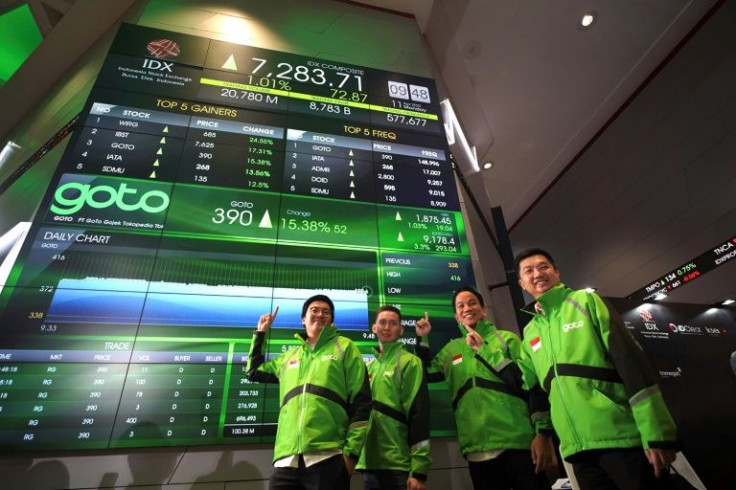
[658,182]
[690,348]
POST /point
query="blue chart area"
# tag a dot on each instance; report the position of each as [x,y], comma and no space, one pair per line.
[189,283]
[120,301]
[90,305]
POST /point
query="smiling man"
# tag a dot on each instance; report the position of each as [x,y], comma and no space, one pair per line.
[504,439]
[396,451]
[613,424]
[325,401]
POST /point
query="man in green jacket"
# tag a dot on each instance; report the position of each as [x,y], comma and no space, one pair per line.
[505,440]
[613,424]
[396,451]
[325,401]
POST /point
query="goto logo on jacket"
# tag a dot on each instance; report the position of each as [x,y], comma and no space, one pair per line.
[569,326]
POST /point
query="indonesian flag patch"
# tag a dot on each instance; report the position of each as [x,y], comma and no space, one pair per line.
[535,344]
[457,359]
[294,363]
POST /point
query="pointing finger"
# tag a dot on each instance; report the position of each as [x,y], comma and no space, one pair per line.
[275,312]
[426,316]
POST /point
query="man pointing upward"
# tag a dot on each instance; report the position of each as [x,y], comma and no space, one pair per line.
[505,441]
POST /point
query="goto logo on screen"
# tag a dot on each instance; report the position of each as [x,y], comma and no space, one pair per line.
[72,196]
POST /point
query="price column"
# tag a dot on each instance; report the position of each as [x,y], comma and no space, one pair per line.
[414,176]
[246,417]
[56,397]
[171,396]
[247,153]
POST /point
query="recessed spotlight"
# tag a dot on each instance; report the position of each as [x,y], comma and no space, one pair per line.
[487,165]
[7,151]
[587,20]
[728,302]
[660,297]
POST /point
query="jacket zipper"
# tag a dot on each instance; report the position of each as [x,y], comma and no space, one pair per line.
[560,385]
[302,408]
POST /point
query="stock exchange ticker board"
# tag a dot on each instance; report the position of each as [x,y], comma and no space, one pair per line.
[206,184]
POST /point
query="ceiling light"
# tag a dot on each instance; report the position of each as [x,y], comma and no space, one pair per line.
[7,151]
[587,20]
[728,302]
[660,297]
[468,157]
[487,165]
[10,244]
[235,29]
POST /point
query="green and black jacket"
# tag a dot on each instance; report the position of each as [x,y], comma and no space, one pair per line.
[602,390]
[398,434]
[490,412]
[324,394]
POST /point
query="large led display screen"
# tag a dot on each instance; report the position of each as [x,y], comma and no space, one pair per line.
[205,184]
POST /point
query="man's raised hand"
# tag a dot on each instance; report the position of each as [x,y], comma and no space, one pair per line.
[423,326]
[266,320]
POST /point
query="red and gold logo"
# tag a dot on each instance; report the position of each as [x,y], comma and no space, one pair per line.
[163,48]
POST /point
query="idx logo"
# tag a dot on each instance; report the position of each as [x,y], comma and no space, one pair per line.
[569,326]
[72,196]
[158,65]
[684,329]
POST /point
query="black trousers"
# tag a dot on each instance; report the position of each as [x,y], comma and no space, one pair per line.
[512,469]
[385,480]
[329,474]
[613,469]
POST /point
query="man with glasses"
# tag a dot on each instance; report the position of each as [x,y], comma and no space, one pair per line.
[396,451]
[325,401]
[613,424]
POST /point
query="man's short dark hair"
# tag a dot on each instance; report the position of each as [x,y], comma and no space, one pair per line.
[470,290]
[390,308]
[531,252]
[319,297]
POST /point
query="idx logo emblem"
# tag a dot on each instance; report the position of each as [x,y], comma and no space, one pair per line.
[72,196]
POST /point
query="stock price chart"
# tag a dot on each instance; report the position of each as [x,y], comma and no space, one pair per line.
[206,184]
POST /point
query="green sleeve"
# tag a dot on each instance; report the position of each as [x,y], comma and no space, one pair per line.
[258,369]
[539,406]
[653,419]
[415,403]
[435,365]
[500,351]
[359,401]
[529,376]
[506,365]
